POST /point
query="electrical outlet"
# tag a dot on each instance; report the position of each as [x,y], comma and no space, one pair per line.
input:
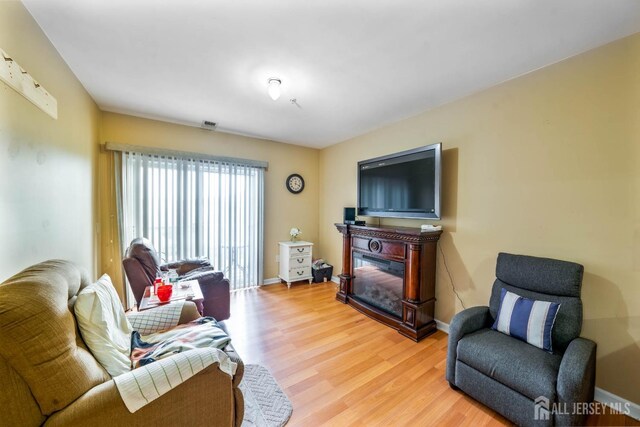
[277,258]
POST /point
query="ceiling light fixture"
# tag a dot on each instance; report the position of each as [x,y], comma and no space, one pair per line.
[274,88]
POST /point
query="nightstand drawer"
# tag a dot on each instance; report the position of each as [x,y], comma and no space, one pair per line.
[300,273]
[300,261]
[297,251]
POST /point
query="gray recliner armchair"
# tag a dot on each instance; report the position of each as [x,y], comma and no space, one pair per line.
[522,382]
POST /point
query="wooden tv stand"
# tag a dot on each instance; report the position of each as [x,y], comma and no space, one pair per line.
[410,256]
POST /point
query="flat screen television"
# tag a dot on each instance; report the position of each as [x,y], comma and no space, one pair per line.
[401,185]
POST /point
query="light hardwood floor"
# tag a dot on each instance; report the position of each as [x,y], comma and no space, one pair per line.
[338,367]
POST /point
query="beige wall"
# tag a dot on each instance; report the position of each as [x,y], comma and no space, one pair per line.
[547,164]
[283,210]
[46,166]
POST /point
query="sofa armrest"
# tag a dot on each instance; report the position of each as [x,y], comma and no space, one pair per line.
[576,379]
[189,313]
[186,265]
[577,375]
[216,292]
[231,352]
[237,379]
[467,321]
[206,399]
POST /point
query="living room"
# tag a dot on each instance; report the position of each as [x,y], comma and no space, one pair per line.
[539,156]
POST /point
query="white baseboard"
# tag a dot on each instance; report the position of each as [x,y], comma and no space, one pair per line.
[444,327]
[335,279]
[617,403]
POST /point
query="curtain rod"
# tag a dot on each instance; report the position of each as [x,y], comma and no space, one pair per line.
[114,146]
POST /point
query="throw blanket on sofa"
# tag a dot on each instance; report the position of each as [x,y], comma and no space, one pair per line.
[163,360]
[201,333]
[147,383]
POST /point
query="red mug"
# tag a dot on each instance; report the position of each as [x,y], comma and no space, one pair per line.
[164,292]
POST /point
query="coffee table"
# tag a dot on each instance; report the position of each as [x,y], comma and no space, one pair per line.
[188,290]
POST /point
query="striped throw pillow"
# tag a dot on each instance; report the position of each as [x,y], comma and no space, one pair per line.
[526,319]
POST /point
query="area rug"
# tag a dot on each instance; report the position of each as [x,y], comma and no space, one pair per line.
[265,404]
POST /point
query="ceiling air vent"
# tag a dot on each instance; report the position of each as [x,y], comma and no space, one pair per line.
[206,124]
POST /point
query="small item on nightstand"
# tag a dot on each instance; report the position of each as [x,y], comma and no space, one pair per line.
[294,233]
[429,227]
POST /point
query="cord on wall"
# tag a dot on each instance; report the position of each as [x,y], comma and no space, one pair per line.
[453,287]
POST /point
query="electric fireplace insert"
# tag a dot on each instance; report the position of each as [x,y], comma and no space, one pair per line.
[378,282]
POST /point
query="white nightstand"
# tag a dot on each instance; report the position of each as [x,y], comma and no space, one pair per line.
[295,261]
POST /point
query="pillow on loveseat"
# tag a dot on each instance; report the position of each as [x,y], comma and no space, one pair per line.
[526,319]
[104,326]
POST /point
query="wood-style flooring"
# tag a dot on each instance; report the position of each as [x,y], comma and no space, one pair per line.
[340,368]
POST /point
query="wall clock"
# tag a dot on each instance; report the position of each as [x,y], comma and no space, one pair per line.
[295,183]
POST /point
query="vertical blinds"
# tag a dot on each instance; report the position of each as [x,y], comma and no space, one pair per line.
[197,208]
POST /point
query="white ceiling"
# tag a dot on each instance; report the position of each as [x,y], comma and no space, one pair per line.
[353,66]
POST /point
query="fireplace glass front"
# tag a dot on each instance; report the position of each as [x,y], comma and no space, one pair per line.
[378,283]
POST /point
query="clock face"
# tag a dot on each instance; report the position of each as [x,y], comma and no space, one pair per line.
[295,183]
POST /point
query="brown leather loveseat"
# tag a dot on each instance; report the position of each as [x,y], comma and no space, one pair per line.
[142,265]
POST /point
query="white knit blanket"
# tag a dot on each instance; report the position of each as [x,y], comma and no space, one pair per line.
[147,383]
[159,319]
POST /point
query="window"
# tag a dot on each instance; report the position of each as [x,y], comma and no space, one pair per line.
[197,208]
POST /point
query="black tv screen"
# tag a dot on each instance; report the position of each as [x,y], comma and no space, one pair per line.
[401,185]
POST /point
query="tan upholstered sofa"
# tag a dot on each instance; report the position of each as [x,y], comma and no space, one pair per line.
[48,377]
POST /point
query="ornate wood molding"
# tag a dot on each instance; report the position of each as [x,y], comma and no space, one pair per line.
[405,234]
